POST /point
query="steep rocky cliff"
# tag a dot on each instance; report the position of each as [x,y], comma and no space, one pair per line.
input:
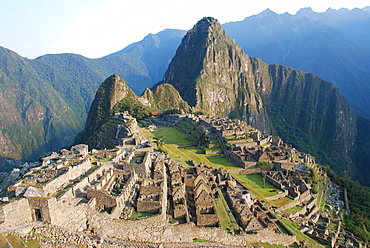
[307,112]
[164,97]
[110,92]
[212,73]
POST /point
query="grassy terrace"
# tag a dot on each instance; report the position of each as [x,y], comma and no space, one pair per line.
[136,215]
[300,236]
[227,220]
[174,138]
[254,182]
[17,242]
[294,210]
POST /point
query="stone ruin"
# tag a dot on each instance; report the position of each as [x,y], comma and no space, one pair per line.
[100,196]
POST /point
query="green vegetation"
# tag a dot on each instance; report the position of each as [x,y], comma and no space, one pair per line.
[200,240]
[227,220]
[294,229]
[358,221]
[294,210]
[136,215]
[133,106]
[174,138]
[15,241]
[264,167]
[254,182]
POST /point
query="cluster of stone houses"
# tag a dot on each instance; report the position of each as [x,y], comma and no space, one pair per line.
[133,177]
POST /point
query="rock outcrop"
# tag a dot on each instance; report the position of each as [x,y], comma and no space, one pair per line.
[110,92]
[212,73]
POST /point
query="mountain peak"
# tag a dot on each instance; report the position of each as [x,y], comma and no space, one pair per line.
[211,73]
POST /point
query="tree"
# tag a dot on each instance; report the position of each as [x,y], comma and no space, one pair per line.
[264,167]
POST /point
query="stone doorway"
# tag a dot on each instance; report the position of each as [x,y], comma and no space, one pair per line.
[38,216]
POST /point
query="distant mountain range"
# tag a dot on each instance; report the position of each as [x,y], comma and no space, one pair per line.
[46,100]
[333,45]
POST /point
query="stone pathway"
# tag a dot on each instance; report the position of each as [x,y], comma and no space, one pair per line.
[13,228]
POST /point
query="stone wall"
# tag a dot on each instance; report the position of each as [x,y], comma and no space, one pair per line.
[275,183]
[213,151]
[17,213]
[149,206]
[237,159]
[277,196]
[68,216]
[85,183]
[72,173]
[103,200]
[207,219]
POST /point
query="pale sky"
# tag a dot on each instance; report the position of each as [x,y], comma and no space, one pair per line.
[95,28]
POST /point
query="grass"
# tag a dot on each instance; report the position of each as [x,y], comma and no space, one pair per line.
[15,241]
[31,243]
[294,229]
[294,210]
[227,220]
[174,138]
[135,215]
[281,202]
[200,240]
[255,184]
[3,241]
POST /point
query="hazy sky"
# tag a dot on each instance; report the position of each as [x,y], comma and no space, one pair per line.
[95,28]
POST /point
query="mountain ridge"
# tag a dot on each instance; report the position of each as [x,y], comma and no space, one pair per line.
[216,77]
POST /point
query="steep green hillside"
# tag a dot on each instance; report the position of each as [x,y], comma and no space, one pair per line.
[45,101]
[333,45]
[34,117]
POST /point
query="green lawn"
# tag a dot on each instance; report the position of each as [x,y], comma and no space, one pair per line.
[173,137]
[15,241]
[135,215]
[254,182]
[281,202]
[294,210]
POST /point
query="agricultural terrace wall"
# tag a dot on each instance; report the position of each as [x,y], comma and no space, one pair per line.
[182,130]
[237,159]
[213,151]
[16,213]
[275,183]
[72,173]
[277,196]
[85,183]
